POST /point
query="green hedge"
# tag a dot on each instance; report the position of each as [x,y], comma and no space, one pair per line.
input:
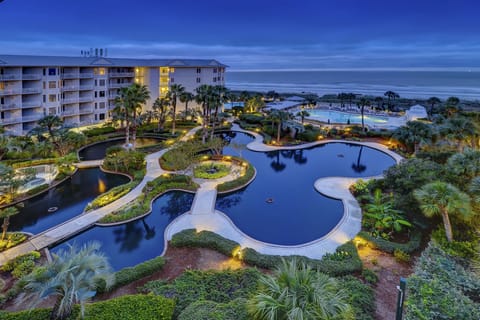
[152,189]
[360,296]
[98,131]
[390,247]
[210,310]
[218,286]
[21,265]
[344,261]
[134,307]
[111,195]
[32,163]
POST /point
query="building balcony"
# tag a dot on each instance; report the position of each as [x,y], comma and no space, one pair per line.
[10,77]
[70,88]
[10,92]
[11,120]
[121,74]
[119,85]
[85,99]
[87,87]
[70,100]
[69,112]
[35,117]
[31,90]
[11,106]
[72,75]
[31,104]
[31,76]
[86,111]
[84,75]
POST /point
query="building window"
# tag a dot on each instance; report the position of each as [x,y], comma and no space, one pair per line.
[101,94]
[44,98]
[198,80]
[52,98]
[214,70]
[102,116]
[44,85]
[199,70]
[96,118]
[44,71]
[52,71]
[96,82]
[102,105]
[96,94]
[214,79]
[101,82]
[52,84]
[172,80]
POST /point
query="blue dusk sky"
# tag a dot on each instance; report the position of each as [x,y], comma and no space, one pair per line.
[254,34]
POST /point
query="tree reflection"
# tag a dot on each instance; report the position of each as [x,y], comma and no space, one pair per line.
[359,167]
[178,203]
[149,231]
[230,201]
[298,157]
[129,236]
[276,164]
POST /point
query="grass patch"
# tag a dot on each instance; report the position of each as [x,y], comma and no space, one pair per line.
[211,170]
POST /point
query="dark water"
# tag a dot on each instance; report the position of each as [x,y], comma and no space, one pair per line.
[129,244]
[70,198]
[97,151]
[299,213]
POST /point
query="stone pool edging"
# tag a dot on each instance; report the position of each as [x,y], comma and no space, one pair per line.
[100,224]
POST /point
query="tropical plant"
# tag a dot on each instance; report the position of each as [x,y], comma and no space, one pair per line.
[175,92]
[137,96]
[186,97]
[203,97]
[413,134]
[5,214]
[218,97]
[73,276]
[302,114]
[279,117]
[160,107]
[253,104]
[295,291]
[362,104]
[432,101]
[460,130]
[379,101]
[444,199]
[391,97]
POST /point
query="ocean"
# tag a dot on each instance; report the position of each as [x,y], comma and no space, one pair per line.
[408,84]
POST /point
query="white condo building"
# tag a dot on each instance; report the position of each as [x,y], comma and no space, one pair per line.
[81,90]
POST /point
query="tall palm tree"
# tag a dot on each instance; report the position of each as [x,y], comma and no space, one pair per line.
[160,107]
[363,103]
[295,291]
[5,214]
[379,101]
[137,96]
[432,101]
[219,97]
[176,90]
[358,166]
[444,199]
[279,116]
[391,97]
[73,276]
[460,130]
[122,110]
[302,114]
[203,97]
[186,97]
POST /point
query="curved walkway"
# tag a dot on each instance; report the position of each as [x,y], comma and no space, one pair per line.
[81,222]
[336,187]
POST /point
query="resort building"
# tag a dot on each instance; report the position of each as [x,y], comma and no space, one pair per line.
[81,90]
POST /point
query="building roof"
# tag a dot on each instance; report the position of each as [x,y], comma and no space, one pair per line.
[416,112]
[295,98]
[281,105]
[66,61]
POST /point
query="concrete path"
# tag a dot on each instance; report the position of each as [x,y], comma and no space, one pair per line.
[83,221]
[89,164]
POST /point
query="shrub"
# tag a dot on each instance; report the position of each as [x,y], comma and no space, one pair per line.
[344,261]
[239,182]
[360,297]
[21,265]
[98,131]
[32,163]
[463,249]
[130,274]
[218,286]
[389,246]
[12,239]
[251,118]
[370,276]
[111,195]
[129,307]
[126,161]
[401,256]
[208,310]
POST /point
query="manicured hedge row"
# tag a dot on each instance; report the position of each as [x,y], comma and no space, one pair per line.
[32,163]
[111,195]
[239,182]
[344,261]
[98,131]
[130,307]
[208,310]
[390,247]
[130,274]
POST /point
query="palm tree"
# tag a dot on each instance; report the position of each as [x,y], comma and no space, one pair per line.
[302,114]
[362,104]
[50,123]
[460,130]
[413,134]
[432,101]
[358,166]
[279,117]
[295,291]
[176,90]
[160,107]
[441,198]
[451,106]
[218,98]
[391,96]
[203,98]
[379,101]
[342,96]
[137,96]
[122,110]
[73,277]
[186,97]
[6,214]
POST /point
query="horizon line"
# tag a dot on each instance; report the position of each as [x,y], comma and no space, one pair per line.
[414,69]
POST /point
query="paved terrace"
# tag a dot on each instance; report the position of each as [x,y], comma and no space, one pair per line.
[207,218]
[86,220]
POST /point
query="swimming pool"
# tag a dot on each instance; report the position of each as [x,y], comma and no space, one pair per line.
[340,117]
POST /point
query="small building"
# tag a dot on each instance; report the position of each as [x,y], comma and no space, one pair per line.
[416,112]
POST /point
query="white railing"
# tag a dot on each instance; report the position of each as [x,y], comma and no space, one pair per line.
[121,74]
[32,118]
[70,88]
[120,85]
[31,90]
[85,99]
[86,110]
[84,75]
[10,120]
[31,104]
[69,112]
[7,92]
[35,76]
[86,87]
[9,106]
[6,77]
[70,100]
